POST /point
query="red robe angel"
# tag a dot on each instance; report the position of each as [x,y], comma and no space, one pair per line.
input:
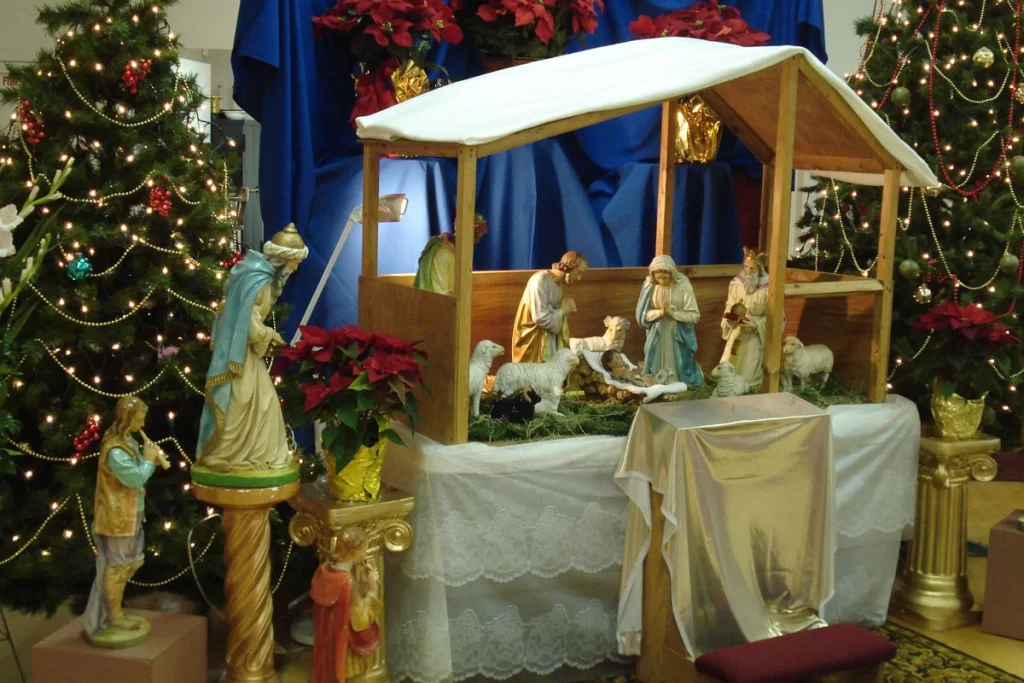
[339,625]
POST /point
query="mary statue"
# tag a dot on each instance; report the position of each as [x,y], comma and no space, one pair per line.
[242,428]
[667,310]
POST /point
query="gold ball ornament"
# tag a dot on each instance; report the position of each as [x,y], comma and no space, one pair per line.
[1008,263]
[984,57]
[910,269]
[923,295]
[900,96]
[1018,94]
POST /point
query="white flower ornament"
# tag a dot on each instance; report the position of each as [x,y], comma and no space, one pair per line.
[9,220]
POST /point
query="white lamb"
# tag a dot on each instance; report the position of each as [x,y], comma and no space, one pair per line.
[614,337]
[545,378]
[479,367]
[728,382]
[804,362]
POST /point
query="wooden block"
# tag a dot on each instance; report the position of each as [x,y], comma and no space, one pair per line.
[175,653]
[1004,581]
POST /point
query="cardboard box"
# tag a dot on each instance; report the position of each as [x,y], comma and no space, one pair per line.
[1004,582]
[174,653]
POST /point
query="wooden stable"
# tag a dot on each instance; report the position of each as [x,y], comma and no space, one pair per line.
[789,115]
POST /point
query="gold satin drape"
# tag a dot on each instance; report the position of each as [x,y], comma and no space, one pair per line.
[749,507]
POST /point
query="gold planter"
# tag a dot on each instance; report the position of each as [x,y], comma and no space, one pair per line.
[409,80]
[700,132]
[359,481]
[955,417]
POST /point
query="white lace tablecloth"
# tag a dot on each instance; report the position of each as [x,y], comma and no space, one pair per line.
[517,550]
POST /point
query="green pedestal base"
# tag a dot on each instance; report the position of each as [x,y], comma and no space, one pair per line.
[245,479]
[120,638]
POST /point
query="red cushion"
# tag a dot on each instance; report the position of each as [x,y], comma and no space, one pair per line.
[798,656]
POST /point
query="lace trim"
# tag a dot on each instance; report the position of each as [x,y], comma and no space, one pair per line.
[418,650]
[462,551]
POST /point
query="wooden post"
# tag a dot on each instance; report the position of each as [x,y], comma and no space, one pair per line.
[371,197]
[666,178]
[767,186]
[882,325]
[778,238]
[465,216]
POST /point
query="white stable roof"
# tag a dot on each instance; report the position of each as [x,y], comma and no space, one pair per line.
[836,132]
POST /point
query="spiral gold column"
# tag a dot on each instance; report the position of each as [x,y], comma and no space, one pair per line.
[250,611]
[321,518]
[932,591]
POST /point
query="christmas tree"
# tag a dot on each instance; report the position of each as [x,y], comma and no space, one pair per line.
[944,75]
[124,302]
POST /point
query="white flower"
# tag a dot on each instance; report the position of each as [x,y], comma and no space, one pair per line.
[6,243]
[9,218]
[5,286]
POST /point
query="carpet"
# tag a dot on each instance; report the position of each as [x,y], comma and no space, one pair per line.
[919,659]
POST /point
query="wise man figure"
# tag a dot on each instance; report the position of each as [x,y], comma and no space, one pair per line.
[435,271]
[667,310]
[118,514]
[745,318]
[346,608]
[541,326]
[242,427]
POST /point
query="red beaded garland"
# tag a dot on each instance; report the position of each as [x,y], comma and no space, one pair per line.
[30,125]
[134,72]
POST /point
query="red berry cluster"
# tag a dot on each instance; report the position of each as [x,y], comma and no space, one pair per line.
[133,74]
[160,200]
[88,437]
[32,126]
[236,256]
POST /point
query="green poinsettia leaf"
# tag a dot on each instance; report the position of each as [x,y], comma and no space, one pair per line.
[392,436]
[361,383]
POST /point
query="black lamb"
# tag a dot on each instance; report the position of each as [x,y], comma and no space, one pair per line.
[517,407]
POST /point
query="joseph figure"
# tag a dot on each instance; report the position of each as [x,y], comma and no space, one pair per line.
[242,427]
[541,326]
[744,335]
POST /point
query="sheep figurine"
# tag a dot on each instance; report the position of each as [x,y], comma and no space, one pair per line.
[614,337]
[479,367]
[804,362]
[728,382]
[545,378]
[517,407]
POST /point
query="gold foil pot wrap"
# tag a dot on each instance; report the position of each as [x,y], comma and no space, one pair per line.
[359,481]
[699,132]
[409,81]
[955,417]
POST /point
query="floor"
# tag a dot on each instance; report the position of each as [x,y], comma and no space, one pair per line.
[988,503]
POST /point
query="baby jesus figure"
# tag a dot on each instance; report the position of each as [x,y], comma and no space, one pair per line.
[615,365]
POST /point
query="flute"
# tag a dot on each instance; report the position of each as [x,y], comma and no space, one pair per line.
[162,459]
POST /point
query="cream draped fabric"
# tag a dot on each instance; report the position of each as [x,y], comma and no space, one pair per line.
[749,507]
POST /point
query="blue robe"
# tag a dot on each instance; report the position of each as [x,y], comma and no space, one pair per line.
[667,330]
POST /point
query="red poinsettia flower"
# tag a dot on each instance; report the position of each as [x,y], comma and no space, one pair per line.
[739,32]
[382,365]
[584,15]
[390,28]
[299,352]
[373,90]
[661,27]
[971,322]
[437,18]
[491,10]
[394,344]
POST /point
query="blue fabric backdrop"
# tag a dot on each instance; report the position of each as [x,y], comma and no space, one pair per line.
[593,190]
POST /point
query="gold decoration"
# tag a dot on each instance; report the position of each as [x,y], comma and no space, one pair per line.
[409,80]
[359,480]
[932,590]
[288,238]
[956,418]
[250,611]
[700,132]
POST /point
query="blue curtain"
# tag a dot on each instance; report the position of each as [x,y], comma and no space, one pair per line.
[593,190]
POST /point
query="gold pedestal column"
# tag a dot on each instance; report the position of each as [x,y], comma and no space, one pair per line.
[932,590]
[250,610]
[321,518]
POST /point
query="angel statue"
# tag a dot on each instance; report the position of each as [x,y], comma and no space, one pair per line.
[541,326]
[242,429]
[435,271]
[667,310]
[118,513]
[745,318]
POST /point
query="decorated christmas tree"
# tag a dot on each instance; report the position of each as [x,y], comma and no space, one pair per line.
[944,75]
[124,302]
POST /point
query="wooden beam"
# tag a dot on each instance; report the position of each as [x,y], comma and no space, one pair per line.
[767,187]
[371,199]
[830,164]
[817,290]
[553,128]
[779,235]
[845,112]
[666,177]
[415,148]
[465,217]
[882,325]
[738,125]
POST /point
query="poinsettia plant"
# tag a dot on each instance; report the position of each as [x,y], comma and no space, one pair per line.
[527,29]
[385,36]
[705,20]
[354,382]
[964,338]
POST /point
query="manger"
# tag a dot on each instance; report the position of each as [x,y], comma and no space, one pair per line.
[788,109]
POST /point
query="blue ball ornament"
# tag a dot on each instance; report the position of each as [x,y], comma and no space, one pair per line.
[79,268]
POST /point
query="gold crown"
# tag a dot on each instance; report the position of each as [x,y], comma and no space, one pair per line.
[753,255]
[289,238]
